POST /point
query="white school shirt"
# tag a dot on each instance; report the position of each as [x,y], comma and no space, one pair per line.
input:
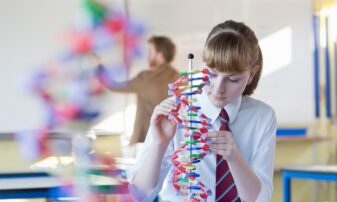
[253,125]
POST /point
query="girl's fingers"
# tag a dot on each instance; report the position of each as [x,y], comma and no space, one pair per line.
[216,147]
[218,134]
[168,104]
[161,111]
[223,150]
[222,137]
[220,140]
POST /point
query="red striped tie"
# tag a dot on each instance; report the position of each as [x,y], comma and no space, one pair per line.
[225,186]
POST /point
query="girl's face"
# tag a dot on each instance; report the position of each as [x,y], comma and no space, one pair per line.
[225,88]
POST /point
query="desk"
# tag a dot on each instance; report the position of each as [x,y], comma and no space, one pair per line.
[43,185]
[314,172]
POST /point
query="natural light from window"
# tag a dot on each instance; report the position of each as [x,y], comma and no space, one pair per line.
[276,50]
[116,123]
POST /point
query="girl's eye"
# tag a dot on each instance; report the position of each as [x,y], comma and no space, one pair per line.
[233,80]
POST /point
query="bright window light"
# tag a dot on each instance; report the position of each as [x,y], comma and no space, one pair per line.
[333,22]
[119,122]
[276,50]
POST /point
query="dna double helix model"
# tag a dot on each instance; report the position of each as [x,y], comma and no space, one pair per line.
[195,125]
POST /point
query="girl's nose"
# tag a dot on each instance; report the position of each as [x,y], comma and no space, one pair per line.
[219,86]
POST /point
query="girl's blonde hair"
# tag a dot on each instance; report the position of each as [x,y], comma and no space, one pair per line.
[232,47]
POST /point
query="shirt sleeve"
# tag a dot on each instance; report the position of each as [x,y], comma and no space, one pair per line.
[106,78]
[136,192]
[263,159]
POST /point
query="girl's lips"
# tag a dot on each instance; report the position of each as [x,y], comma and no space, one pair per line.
[219,97]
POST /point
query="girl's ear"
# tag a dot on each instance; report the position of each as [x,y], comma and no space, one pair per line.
[252,73]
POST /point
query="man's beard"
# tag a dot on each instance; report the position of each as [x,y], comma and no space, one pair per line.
[153,63]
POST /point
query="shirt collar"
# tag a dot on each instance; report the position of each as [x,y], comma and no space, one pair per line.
[213,112]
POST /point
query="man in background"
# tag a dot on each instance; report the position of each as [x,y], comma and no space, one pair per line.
[151,85]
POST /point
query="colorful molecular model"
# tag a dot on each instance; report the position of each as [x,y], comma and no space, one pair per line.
[68,91]
[195,125]
[67,88]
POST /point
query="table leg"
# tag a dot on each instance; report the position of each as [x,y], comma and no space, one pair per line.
[286,188]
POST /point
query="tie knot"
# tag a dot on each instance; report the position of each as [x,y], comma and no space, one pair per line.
[224,118]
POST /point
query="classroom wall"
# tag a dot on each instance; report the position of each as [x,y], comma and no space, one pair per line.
[290,88]
[31,30]
[30,35]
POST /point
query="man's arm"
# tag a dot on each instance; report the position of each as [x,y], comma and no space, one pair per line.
[106,79]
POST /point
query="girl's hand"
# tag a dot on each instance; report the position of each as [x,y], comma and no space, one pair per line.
[163,128]
[222,143]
